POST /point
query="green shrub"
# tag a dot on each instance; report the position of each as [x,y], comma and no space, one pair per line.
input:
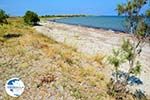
[3,17]
[31,18]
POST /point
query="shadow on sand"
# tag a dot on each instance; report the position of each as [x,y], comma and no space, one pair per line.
[140,95]
[133,80]
[37,24]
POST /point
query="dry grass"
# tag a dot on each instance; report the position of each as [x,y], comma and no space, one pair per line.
[61,72]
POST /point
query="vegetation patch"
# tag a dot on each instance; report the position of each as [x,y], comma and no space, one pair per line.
[11,35]
[47,70]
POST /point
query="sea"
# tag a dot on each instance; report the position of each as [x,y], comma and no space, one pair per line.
[115,23]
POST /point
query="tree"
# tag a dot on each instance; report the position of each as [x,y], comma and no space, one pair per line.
[130,49]
[31,18]
[3,17]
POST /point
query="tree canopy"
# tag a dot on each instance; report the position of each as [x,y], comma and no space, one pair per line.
[136,20]
[3,17]
[31,18]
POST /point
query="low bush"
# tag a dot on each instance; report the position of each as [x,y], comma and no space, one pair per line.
[31,18]
[3,17]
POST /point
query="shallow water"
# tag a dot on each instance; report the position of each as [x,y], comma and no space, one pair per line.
[106,22]
[116,23]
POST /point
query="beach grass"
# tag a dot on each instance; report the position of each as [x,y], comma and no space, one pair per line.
[48,69]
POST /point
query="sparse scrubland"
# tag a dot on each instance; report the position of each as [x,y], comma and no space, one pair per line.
[99,43]
[56,64]
[50,70]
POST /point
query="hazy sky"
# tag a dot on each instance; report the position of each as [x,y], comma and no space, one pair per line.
[42,7]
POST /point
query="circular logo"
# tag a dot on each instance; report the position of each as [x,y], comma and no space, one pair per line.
[14,87]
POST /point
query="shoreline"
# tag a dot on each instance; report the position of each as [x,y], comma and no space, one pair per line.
[75,30]
[88,26]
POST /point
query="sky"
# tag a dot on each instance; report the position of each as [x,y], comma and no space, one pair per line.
[50,7]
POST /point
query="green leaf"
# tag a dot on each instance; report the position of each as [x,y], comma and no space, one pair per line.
[137,69]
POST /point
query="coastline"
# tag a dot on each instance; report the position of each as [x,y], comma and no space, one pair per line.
[93,41]
[75,31]
[88,26]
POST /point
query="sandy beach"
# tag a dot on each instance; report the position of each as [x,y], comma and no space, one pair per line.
[96,41]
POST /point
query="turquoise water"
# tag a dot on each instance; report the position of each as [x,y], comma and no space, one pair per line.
[106,22]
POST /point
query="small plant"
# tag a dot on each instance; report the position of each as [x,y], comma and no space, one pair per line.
[48,78]
[130,50]
[3,17]
[127,55]
[31,18]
